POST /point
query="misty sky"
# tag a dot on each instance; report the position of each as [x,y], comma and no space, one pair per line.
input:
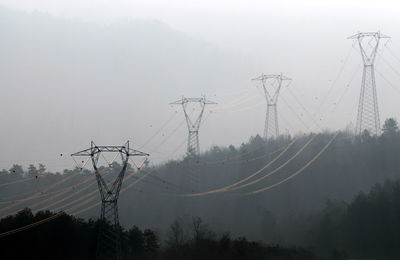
[47,111]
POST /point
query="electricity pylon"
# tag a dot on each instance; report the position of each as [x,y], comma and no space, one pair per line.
[368,112]
[109,240]
[272,84]
[193,146]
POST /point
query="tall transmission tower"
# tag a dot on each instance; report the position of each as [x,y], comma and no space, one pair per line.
[193,124]
[368,112]
[109,240]
[271,84]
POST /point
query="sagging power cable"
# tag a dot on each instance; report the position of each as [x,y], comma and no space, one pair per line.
[226,188]
[298,171]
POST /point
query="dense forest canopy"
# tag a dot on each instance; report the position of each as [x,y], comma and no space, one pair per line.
[344,202]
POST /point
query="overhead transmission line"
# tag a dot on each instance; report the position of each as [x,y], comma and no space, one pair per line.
[232,93]
[13,197]
[294,112]
[98,203]
[387,81]
[276,169]
[37,194]
[304,108]
[43,194]
[62,192]
[231,160]
[40,221]
[9,201]
[236,185]
[278,182]
[69,196]
[44,191]
[72,208]
[298,171]
[335,106]
[227,187]
[37,223]
[392,53]
[124,189]
[87,195]
[347,57]
[53,194]
[224,189]
[17,181]
[388,64]
[279,168]
[167,138]
[160,129]
[235,104]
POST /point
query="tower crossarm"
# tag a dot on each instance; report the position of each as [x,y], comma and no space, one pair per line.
[202,101]
[111,149]
[271,95]
[109,193]
[363,34]
[368,43]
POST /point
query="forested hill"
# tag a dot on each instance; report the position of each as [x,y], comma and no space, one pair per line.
[349,165]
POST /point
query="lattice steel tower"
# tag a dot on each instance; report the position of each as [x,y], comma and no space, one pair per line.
[193,146]
[271,84]
[109,241]
[368,112]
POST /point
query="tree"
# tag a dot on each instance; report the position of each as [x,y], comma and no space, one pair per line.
[42,168]
[390,126]
[200,230]
[135,241]
[175,236]
[17,169]
[32,171]
[150,241]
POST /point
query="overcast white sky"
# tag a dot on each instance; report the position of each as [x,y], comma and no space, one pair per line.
[305,40]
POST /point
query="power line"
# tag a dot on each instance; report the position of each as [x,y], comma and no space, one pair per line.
[37,223]
[334,81]
[227,187]
[277,169]
[159,130]
[298,171]
[18,181]
[37,194]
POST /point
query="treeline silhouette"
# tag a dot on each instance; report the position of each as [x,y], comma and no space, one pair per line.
[67,237]
[289,214]
[367,227]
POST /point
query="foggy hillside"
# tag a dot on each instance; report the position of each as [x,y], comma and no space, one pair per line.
[281,215]
[72,77]
[317,185]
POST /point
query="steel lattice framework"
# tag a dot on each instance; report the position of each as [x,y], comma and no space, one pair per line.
[368,112]
[193,146]
[109,242]
[271,84]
